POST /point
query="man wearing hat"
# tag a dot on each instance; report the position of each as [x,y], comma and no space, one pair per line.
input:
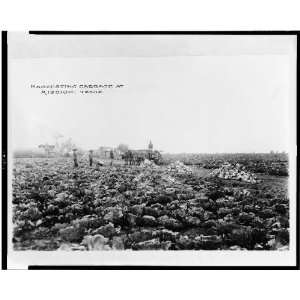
[91,157]
[75,158]
[111,155]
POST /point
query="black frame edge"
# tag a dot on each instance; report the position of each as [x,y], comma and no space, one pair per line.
[297,155]
[4,151]
[225,32]
[130,267]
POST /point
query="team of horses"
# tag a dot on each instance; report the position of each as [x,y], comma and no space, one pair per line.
[136,157]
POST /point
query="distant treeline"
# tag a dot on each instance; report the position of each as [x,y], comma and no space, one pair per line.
[42,154]
[194,158]
[28,154]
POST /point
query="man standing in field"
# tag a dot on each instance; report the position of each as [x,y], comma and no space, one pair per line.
[91,157]
[130,157]
[75,158]
[111,155]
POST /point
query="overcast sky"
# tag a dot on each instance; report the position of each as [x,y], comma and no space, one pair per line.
[198,103]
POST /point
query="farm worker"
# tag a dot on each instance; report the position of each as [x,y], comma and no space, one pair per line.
[130,157]
[75,158]
[91,157]
[111,155]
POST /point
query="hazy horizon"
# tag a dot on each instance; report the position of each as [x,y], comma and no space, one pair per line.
[36,149]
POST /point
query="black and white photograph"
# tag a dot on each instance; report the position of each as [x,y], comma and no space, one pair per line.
[151,149]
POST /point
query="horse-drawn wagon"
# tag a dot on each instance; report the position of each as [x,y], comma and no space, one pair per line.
[136,157]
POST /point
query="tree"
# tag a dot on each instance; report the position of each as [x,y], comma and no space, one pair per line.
[57,137]
[123,148]
[67,146]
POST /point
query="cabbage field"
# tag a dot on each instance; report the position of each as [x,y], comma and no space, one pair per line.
[173,206]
